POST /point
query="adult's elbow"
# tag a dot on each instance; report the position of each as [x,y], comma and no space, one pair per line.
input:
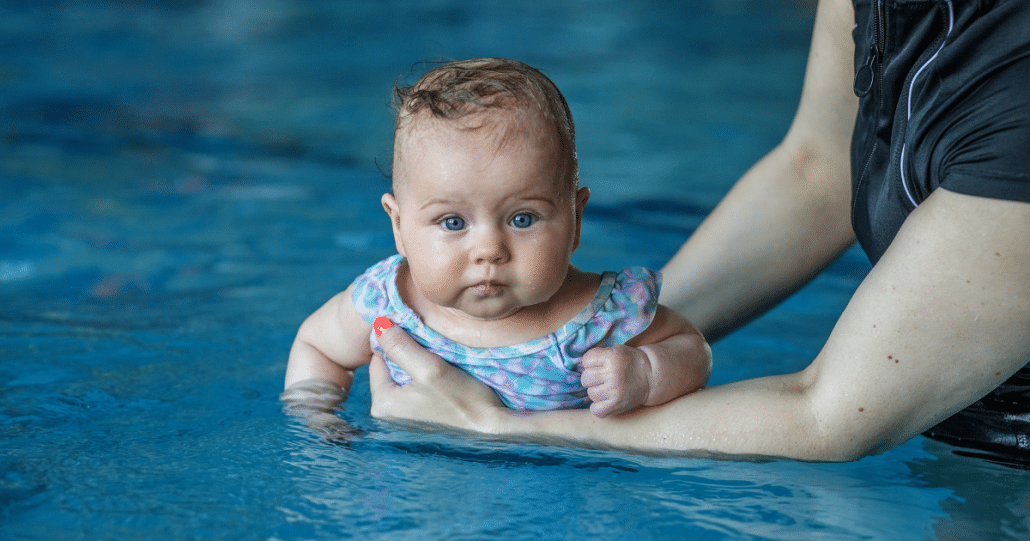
[836,429]
[819,167]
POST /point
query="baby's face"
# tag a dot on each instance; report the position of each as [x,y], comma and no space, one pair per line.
[485,217]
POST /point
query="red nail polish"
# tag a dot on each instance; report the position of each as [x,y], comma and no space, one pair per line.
[381,324]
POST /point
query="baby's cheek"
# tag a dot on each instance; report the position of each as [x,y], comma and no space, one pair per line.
[434,269]
[437,288]
[545,280]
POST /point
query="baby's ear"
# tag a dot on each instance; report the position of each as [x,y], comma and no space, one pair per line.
[394,211]
[582,196]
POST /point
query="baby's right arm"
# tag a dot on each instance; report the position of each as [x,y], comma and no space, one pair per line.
[330,345]
[668,360]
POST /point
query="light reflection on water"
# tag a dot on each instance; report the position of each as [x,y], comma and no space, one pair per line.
[184,181]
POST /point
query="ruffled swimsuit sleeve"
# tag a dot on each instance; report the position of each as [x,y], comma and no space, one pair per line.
[371,295]
[375,294]
[620,315]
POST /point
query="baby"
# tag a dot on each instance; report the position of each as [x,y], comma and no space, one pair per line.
[486,211]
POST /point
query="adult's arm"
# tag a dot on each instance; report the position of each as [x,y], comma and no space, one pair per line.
[788,217]
[938,323]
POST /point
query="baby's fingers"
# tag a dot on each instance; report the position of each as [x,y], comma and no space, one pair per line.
[596,358]
[596,367]
[607,407]
[604,402]
[592,377]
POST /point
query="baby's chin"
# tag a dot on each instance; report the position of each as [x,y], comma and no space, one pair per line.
[495,305]
[486,314]
[489,309]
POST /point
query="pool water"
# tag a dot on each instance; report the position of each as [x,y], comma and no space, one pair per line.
[182,182]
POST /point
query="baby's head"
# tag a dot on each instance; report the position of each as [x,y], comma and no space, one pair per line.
[486,205]
[489,95]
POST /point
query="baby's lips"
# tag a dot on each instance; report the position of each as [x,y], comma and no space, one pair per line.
[381,324]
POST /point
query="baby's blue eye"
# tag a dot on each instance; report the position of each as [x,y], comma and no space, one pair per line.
[523,220]
[453,223]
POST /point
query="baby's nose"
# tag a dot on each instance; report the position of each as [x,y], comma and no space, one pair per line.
[491,248]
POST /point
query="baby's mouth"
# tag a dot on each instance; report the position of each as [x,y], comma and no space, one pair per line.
[486,289]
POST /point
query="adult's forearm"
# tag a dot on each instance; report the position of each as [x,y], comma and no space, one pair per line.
[765,417]
[783,222]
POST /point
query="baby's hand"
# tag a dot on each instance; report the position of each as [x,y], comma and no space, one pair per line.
[617,379]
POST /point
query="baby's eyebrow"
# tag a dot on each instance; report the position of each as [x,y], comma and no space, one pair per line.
[449,201]
[438,201]
[546,200]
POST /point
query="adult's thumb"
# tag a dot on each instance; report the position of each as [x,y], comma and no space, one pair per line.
[402,350]
[379,374]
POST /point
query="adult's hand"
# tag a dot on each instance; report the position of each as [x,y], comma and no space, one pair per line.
[439,393]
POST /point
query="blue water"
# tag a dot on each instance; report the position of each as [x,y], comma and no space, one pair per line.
[181,182]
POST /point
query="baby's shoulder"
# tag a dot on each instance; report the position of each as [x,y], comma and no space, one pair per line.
[374,292]
[576,294]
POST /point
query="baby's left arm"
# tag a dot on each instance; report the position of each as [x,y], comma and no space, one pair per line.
[667,360]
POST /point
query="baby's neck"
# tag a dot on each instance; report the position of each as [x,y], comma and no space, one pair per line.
[524,325]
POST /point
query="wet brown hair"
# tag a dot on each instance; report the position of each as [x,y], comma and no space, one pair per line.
[455,89]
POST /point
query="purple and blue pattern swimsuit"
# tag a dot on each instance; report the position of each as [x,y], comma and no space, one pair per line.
[542,374]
